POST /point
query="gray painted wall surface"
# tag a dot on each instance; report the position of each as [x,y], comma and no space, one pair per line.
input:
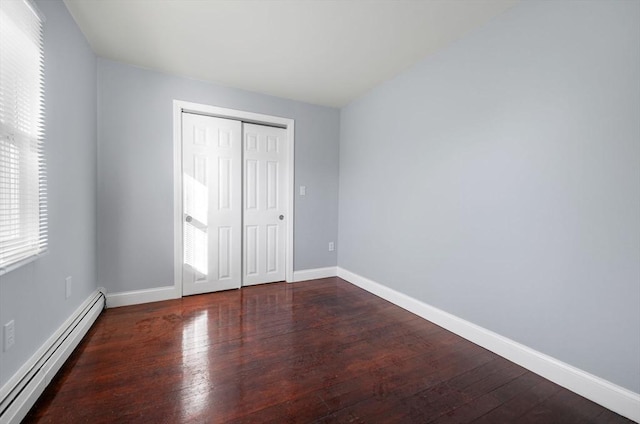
[499,180]
[135,172]
[34,295]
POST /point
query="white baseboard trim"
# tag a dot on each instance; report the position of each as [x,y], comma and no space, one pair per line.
[22,390]
[599,390]
[314,274]
[136,297]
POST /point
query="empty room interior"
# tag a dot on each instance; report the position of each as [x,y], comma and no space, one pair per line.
[320,211]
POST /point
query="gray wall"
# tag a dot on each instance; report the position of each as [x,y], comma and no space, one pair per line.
[135,172]
[498,180]
[34,295]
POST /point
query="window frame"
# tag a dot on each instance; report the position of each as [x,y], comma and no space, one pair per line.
[23,179]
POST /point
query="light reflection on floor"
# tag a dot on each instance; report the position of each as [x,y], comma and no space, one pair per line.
[195,363]
[220,330]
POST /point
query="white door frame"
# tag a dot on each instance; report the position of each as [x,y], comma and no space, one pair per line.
[239,115]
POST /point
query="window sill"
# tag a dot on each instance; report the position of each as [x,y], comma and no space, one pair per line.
[9,268]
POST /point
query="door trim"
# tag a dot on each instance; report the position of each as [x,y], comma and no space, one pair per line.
[179,107]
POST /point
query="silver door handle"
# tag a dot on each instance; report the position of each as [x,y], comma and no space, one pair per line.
[188,218]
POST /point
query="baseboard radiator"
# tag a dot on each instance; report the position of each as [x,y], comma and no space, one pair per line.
[25,387]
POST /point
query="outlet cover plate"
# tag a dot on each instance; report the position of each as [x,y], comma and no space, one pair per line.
[67,292]
[9,335]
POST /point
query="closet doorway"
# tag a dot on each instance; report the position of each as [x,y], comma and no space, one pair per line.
[233,197]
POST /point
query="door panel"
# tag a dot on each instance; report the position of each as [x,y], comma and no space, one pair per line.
[265,200]
[212,203]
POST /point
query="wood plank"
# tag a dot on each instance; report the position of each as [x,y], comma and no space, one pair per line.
[321,351]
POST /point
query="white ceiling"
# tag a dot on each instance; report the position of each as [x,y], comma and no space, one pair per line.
[324,52]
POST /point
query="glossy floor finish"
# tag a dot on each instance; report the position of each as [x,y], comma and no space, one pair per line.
[320,351]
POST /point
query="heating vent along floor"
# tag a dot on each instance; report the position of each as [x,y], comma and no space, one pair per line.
[23,389]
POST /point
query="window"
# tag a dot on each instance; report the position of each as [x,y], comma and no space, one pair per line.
[23,210]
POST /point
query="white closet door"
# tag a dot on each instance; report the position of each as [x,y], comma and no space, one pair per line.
[265,202]
[212,203]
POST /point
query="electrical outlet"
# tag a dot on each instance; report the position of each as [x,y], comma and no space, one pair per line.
[332,246]
[9,335]
[67,288]
[303,190]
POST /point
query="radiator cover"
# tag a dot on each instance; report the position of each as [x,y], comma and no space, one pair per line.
[21,392]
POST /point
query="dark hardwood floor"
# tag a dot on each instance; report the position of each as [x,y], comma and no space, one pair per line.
[322,351]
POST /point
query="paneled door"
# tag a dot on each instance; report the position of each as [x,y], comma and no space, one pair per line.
[265,203]
[212,203]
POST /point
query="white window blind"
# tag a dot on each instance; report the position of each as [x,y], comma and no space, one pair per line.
[23,210]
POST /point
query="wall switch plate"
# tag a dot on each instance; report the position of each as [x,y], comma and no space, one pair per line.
[332,246]
[303,190]
[67,288]
[9,335]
